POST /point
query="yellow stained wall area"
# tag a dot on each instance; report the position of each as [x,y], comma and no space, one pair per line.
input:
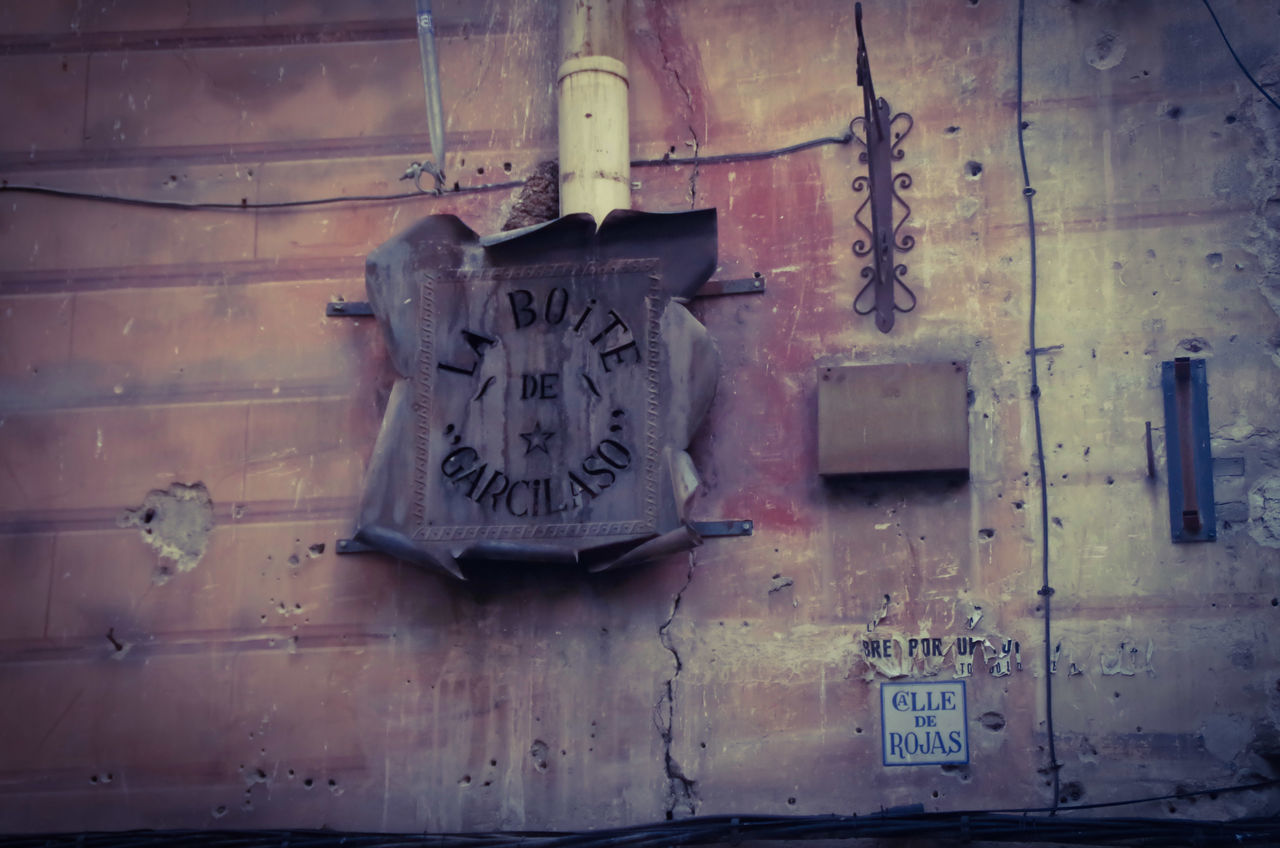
[183,431]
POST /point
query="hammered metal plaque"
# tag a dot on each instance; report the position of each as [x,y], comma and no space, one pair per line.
[537,402]
[550,384]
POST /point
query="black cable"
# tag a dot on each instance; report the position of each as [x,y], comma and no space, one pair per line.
[407,195]
[744,157]
[1046,591]
[1236,56]
[243,204]
[1172,796]
[974,826]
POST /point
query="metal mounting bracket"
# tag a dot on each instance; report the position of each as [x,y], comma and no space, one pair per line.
[714,529]
[348,309]
[746,285]
[351,546]
[712,288]
[705,529]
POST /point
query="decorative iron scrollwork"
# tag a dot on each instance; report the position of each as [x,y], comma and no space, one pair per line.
[880,133]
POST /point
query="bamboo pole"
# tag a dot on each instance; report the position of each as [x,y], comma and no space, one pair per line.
[595,154]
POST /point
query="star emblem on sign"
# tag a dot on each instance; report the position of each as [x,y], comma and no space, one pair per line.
[537,440]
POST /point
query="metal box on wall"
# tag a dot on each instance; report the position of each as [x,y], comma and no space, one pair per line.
[893,419]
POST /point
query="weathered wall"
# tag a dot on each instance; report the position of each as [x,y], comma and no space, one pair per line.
[253,678]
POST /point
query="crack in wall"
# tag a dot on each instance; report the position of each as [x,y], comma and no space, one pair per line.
[693,175]
[674,73]
[682,796]
[693,133]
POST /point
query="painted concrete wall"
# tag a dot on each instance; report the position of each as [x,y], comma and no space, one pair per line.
[174,654]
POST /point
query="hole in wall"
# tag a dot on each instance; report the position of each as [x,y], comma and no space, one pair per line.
[1072,791]
[176,522]
[538,753]
[992,721]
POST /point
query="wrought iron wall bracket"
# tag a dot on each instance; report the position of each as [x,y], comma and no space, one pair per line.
[880,133]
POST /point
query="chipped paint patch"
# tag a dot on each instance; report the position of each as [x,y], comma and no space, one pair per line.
[1264,512]
[1127,660]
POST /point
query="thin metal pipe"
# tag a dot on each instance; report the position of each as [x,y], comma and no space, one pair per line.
[431,80]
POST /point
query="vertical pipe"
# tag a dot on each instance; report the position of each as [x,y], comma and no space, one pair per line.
[431,80]
[595,155]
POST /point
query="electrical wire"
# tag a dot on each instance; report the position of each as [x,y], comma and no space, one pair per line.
[1236,56]
[206,206]
[979,826]
[721,158]
[1046,591]
[244,204]
[902,822]
[1212,792]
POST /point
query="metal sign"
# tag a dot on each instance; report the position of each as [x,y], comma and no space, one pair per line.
[550,384]
[1189,455]
[924,723]
[537,398]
